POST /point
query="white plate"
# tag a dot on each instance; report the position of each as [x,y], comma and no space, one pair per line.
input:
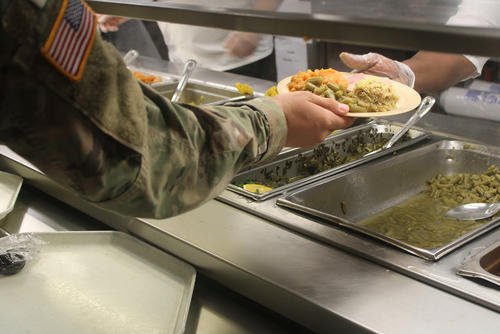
[97,282]
[10,185]
[409,98]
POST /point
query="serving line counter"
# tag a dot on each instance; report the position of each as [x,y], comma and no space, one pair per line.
[213,308]
[322,277]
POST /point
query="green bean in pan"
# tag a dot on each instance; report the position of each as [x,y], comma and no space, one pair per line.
[420,221]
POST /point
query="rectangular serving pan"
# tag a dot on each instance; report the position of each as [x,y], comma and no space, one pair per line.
[165,78]
[484,265]
[197,92]
[10,185]
[355,142]
[348,199]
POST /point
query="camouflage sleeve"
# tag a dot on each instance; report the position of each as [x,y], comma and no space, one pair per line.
[116,142]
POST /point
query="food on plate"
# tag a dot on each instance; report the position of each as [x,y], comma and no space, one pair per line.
[369,94]
[318,78]
[420,221]
[146,78]
[244,88]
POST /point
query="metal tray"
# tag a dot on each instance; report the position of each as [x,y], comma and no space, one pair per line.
[10,185]
[484,265]
[197,92]
[354,143]
[97,282]
[348,199]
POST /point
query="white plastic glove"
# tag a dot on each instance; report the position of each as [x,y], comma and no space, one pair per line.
[376,64]
[242,44]
[110,23]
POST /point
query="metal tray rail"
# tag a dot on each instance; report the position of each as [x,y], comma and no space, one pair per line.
[348,199]
[344,150]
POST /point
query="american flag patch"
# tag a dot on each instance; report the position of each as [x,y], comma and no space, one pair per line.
[71,38]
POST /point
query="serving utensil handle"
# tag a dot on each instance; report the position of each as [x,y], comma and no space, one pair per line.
[130,56]
[189,67]
[423,109]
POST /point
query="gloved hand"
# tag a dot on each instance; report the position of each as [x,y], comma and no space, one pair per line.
[376,64]
[110,23]
[242,44]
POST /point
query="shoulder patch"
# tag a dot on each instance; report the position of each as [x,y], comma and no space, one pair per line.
[71,38]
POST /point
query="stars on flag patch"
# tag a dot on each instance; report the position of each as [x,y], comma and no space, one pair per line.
[68,46]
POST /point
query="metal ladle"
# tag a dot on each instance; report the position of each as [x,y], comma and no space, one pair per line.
[474,211]
[189,67]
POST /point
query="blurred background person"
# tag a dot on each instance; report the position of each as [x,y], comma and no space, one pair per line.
[245,53]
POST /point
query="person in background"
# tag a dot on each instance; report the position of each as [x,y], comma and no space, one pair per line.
[90,126]
[238,52]
[427,71]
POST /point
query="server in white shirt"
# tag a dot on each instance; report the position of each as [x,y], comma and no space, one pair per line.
[433,71]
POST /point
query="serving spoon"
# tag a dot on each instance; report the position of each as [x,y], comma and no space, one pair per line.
[130,57]
[474,211]
[189,67]
[423,109]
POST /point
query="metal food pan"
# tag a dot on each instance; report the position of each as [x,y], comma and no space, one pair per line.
[197,92]
[165,79]
[342,151]
[484,265]
[347,200]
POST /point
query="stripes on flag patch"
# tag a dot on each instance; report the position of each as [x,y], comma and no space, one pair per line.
[71,38]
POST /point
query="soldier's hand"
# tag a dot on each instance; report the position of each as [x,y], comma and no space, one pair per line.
[310,118]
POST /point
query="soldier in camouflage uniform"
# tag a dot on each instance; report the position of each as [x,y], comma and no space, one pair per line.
[76,112]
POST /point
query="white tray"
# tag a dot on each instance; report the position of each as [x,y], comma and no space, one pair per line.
[97,282]
[10,185]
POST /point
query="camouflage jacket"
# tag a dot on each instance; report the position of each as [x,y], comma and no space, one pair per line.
[117,142]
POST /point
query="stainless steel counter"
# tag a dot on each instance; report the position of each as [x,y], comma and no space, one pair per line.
[213,309]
